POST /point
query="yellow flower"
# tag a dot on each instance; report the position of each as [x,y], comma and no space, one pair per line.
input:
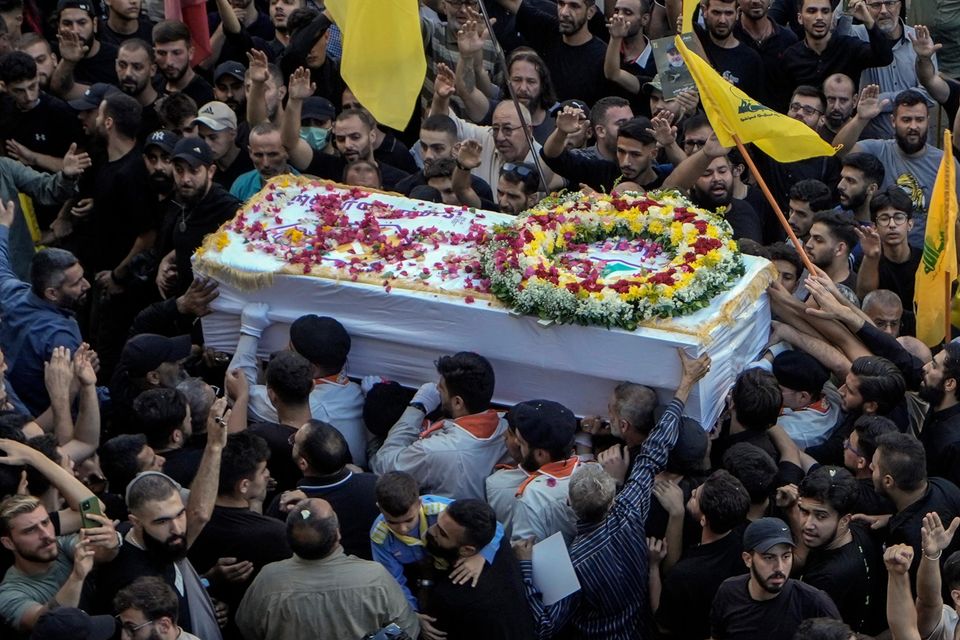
[294,235]
[221,241]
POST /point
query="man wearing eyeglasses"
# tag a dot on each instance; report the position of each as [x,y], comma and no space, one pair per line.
[147,608]
[822,52]
[889,262]
[892,78]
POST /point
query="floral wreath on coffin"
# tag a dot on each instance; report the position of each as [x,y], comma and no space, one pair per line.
[540,265]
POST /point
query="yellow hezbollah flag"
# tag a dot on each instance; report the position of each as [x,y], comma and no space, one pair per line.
[383,60]
[734,113]
[938,268]
[689,8]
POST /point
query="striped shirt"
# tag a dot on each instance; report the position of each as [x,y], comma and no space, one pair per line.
[610,557]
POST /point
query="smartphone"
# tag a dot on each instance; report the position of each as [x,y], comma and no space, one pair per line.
[90,505]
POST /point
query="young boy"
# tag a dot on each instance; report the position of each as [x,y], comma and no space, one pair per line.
[401,535]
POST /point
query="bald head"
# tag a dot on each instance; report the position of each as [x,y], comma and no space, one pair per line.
[313,530]
[916,348]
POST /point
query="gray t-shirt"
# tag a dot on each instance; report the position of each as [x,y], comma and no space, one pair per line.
[914,174]
[19,592]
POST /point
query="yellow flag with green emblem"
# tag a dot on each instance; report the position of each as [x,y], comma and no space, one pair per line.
[383,61]
[938,268]
[733,113]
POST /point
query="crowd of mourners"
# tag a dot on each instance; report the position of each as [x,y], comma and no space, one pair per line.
[155,489]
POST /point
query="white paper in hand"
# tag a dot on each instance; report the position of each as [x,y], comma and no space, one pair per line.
[553,573]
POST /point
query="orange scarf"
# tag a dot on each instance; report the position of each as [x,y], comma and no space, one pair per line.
[480,425]
[556,470]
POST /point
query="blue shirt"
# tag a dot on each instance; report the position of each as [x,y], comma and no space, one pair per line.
[30,328]
[250,183]
[393,553]
[610,557]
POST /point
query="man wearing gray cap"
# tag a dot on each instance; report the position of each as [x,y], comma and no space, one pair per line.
[217,126]
[534,502]
[765,603]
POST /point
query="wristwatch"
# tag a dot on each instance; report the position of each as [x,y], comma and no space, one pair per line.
[419,407]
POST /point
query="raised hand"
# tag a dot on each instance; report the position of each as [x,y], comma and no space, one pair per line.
[570,119]
[75,163]
[257,69]
[72,48]
[83,369]
[445,84]
[693,368]
[923,44]
[196,300]
[468,153]
[934,538]
[299,87]
[670,496]
[869,241]
[618,26]
[470,38]
[898,558]
[869,106]
[656,551]
[713,148]
[58,372]
[662,129]
[615,462]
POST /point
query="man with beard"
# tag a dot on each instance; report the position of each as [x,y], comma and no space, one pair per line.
[48,570]
[941,430]
[766,603]
[39,316]
[162,529]
[835,553]
[629,56]
[861,174]
[832,238]
[573,55]
[539,507]
[173,49]
[135,70]
[493,606]
[909,161]
[84,60]
[900,473]
[822,52]
[125,22]
[806,198]
[269,159]
[204,206]
[321,587]
[636,155]
[41,52]
[120,204]
[163,416]
[889,262]
[217,126]
[438,140]
[455,455]
[841,95]
[605,119]
[739,64]
[759,31]
[228,87]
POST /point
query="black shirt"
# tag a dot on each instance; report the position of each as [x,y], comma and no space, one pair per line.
[330,167]
[242,534]
[395,153]
[99,68]
[941,496]
[689,588]
[743,218]
[941,440]
[741,66]
[144,32]
[121,211]
[240,165]
[737,616]
[353,499]
[495,609]
[281,465]
[848,55]
[480,186]
[217,207]
[869,501]
[49,128]
[577,72]
[182,464]
[770,51]
[198,89]
[780,176]
[598,173]
[853,577]
[900,278]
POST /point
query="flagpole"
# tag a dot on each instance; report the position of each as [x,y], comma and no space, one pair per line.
[947,320]
[773,203]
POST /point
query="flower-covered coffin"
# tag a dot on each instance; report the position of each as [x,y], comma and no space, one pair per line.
[412,280]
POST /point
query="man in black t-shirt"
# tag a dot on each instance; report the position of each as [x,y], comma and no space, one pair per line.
[766,603]
[84,60]
[736,62]
[713,191]
[124,22]
[135,71]
[720,505]
[216,125]
[858,451]
[173,47]
[889,262]
[843,560]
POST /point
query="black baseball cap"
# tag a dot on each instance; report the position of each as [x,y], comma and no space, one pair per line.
[85,5]
[766,533]
[93,96]
[164,139]
[573,102]
[800,371]
[317,108]
[147,351]
[543,424]
[230,68]
[69,622]
[193,151]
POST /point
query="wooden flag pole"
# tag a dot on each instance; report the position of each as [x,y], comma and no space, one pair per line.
[773,203]
[947,320]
